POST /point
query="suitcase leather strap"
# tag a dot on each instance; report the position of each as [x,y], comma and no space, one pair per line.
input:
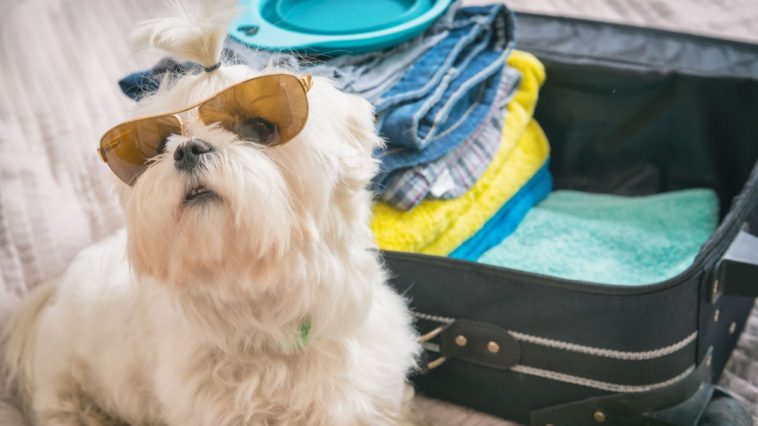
[471,341]
[479,343]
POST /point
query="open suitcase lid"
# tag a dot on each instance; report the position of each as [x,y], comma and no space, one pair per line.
[577,40]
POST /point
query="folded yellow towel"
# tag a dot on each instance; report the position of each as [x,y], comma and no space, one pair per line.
[439,226]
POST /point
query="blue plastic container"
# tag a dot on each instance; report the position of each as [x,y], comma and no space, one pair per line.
[333,27]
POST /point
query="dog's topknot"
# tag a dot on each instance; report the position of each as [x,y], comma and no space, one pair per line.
[196,31]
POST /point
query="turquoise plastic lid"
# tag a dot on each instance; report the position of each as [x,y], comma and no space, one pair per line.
[333,26]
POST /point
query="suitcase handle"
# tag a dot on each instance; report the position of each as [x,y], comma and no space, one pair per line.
[737,271]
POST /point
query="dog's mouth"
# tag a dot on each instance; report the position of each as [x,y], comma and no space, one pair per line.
[200,194]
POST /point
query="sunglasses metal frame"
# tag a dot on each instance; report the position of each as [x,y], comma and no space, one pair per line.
[306,81]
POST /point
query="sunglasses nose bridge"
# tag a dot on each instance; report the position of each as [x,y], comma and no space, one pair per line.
[188,118]
[183,124]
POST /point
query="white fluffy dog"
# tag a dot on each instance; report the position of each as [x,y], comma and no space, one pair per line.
[263,304]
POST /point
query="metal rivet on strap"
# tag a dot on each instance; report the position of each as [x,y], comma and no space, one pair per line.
[732,327]
[461,340]
[493,347]
[599,416]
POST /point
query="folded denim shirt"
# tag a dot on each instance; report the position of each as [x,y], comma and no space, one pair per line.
[422,62]
[447,92]
[456,87]
[140,84]
[455,173]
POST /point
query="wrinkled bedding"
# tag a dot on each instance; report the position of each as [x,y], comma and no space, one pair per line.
[59,62]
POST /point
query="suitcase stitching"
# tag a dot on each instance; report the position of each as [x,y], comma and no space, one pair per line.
[610,387]
[573,347]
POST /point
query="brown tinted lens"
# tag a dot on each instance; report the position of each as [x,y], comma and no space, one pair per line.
[128,146]
[276,99]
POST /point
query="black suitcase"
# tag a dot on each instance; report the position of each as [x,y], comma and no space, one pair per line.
[627,111]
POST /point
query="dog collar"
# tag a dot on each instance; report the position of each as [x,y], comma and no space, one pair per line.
[303,338]
[305,332]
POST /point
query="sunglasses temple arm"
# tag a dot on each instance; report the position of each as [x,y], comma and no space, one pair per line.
[306,81]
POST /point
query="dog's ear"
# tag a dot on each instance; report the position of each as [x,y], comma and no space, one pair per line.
[359,166]
[361,123]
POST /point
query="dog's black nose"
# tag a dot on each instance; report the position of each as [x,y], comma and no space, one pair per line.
[187,155]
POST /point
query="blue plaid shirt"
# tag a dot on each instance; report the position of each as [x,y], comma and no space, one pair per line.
[455,173]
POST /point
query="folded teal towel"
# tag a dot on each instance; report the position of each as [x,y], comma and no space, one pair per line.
[505,221]
[610,239]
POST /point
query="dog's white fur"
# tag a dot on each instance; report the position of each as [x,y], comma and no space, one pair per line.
[192,316]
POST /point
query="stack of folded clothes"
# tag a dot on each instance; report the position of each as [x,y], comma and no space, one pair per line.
[514,180]
[439,101]
[464,159]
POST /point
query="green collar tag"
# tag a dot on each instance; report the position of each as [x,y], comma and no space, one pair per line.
[305,332]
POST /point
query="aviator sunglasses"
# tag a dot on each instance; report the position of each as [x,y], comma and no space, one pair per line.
[271,108]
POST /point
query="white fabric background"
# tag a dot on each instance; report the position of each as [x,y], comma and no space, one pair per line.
[59,63]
